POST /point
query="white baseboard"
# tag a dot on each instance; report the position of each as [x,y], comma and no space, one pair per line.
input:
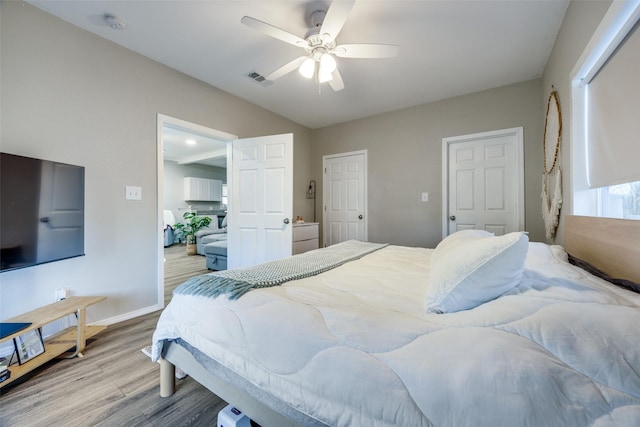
[129,315]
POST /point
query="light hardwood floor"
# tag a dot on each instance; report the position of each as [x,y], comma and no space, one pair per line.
[115,384]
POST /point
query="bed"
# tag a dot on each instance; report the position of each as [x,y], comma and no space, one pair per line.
[467,334]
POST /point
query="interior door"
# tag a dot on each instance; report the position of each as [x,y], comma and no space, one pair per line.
[484,182]
[345,197]
[261,201]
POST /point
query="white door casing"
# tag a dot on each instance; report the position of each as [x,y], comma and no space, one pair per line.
[483,182]
[162,121]
[345,197]
[261,200]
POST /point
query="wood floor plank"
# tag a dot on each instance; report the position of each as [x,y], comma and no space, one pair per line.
[115,384]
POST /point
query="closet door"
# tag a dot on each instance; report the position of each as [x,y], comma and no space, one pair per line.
[345,197]
[484,182]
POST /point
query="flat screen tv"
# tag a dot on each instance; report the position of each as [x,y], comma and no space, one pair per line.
[41,211]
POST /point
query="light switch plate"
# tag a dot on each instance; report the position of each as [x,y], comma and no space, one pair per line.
[133,193]
[425,197]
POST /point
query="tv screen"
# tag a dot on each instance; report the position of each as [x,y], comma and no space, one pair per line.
[41,211]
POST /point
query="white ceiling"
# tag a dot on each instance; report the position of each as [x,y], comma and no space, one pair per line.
[186,146]
[447,48]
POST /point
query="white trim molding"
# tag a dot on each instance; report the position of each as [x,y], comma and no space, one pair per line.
[163,120]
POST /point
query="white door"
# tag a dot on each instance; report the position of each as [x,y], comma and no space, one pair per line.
[261,201]
[60,229]
[483,182]
[345,197]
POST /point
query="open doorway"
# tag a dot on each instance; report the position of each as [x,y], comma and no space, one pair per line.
[186,149]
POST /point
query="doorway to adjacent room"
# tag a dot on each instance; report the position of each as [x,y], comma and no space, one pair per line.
[217,153]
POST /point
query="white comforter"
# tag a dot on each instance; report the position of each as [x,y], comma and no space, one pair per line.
[355,347]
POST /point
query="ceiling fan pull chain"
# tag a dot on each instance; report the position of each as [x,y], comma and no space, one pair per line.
[316,76]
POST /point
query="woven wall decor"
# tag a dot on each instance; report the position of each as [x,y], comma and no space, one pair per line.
[552,176]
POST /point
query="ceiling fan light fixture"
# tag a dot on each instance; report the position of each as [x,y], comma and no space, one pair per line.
[327,64]
[320,45]
[308,68]
[324,76]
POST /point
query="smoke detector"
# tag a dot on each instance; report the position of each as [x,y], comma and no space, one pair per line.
[115,23]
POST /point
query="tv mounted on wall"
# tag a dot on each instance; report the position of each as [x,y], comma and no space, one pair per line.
[41,211]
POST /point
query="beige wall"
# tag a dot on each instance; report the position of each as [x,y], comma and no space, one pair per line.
[580,22]
[70,96]
[405,158]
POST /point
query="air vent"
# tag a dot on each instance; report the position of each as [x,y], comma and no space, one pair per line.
[259,78]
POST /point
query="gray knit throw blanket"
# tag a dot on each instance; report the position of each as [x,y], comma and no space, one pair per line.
[238,282]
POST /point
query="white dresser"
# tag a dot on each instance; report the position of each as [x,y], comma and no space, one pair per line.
[305,237]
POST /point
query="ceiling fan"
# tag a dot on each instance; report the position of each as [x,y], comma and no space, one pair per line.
[320,45]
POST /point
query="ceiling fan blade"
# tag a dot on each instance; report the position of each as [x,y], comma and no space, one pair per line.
[335,18]
[274,32]
[366,51]
[286,69]
[336,83]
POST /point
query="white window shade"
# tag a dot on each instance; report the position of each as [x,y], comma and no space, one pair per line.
[613,131]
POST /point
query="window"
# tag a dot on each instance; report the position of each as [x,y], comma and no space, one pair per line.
[605,100]
[620,201]
[225,197]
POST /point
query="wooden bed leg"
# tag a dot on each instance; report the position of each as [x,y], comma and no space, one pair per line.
[167,378]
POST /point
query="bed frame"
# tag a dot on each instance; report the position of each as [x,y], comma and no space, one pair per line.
[611,245]
[264,410]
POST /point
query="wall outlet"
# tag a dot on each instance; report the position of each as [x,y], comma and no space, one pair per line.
[62,293]
[425,197]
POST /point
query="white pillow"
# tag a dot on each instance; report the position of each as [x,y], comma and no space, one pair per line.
[542,255]
[470,268]
[463,234]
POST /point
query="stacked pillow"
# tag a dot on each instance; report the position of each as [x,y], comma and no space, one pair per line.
[471,267]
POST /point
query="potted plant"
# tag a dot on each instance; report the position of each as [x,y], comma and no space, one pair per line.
[192,223]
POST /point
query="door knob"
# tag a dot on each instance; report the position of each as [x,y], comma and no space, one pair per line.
[360,217]
[452,217]
[286,221]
